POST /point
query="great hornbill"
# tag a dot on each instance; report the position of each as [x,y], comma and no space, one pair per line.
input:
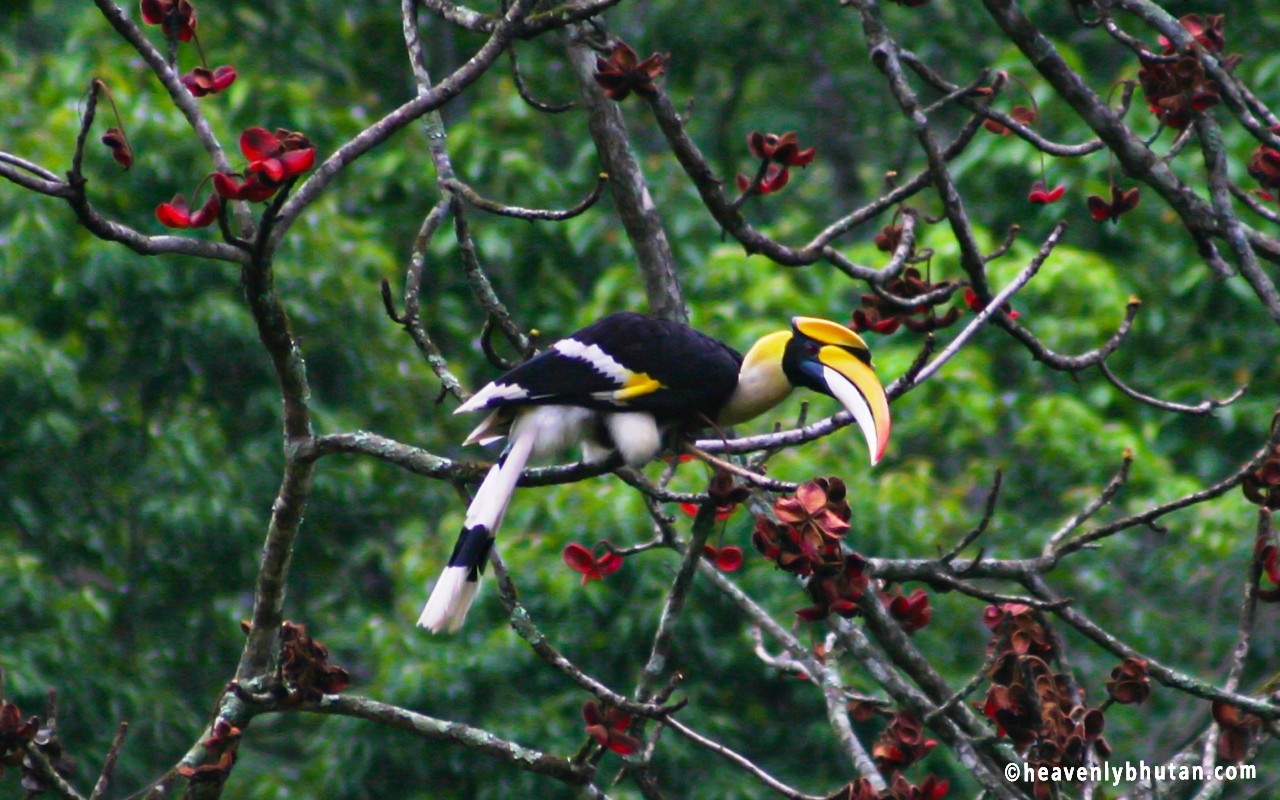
[625,384]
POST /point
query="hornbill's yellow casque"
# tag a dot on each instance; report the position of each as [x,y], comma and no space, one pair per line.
[624,384]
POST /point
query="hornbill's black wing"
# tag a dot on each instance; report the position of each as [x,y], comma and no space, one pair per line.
[626,361]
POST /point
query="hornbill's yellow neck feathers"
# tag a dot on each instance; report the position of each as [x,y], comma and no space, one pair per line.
[622,385]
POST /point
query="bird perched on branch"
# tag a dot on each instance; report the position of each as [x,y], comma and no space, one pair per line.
[627,384]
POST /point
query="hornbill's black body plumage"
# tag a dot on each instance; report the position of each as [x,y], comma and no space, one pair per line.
[625,384]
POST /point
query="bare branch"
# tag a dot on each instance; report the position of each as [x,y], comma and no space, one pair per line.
[1162,673]
[103,785]
[1104,497]
[530,214]
[396,120]
[522,624]
[637,211]
[563,769]
[738,760]
[1203,408]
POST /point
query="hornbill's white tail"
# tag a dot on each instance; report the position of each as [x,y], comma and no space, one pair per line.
[450,600]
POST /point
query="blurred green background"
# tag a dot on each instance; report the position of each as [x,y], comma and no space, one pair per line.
[140,430]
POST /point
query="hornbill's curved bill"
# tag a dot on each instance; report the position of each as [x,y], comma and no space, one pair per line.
[624,384]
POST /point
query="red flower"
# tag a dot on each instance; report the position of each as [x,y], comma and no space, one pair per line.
[777,154]
[1264,165]
[623,72]
[178,17]
[176,213]
[1042,195]
[593,569]
[120,151]
[277,156]
[911,611]
[726,559]
[901,744]
[781,149]
[608,726]
[1122,202]
[273,159]
[818,505]
[202,82]
[1239,729]
[1129,682]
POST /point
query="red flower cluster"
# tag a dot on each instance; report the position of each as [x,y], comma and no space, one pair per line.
[1036,707]
[888,238]
[814,519]
[1018,629]
[592,568]
[304,663]
[777,154]
[805,541]
[273,160]
[623,72]
[884,316]
[901,744]
[178,19]
[1176,89]
[608,726]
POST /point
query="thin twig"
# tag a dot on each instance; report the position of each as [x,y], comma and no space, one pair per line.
[555,215]
[1203,408]
[989,510]
[739,760]
[109,764]
[1105,496]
